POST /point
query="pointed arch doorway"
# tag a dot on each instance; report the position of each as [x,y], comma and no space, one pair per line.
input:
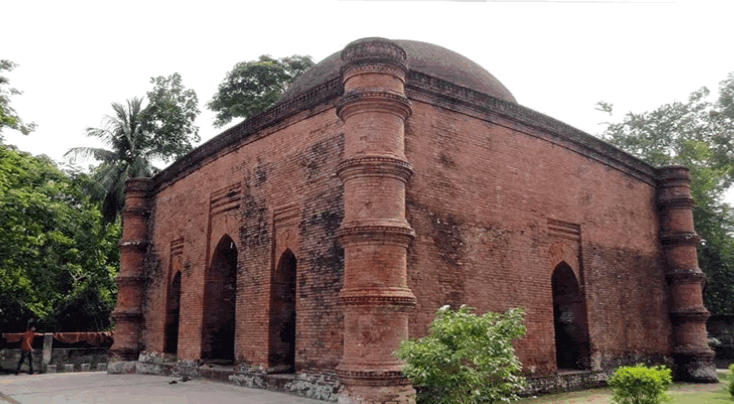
[173,315]
[569,320]
[220,300]
[282,333]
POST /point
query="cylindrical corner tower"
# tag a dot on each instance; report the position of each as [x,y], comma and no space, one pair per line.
[691,353]
[128,313]
[375,233]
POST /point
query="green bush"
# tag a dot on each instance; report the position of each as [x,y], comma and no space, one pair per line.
[466,358]
[640,384]
[731,379]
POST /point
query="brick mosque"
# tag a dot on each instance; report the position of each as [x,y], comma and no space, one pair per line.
[392,178]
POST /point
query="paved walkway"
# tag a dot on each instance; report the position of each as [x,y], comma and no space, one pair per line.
[101,388]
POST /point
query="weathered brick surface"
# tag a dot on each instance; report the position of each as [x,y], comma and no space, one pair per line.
[480,201]
[500,198]
[292,166]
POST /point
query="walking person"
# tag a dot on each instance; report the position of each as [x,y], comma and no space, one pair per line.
[26,349]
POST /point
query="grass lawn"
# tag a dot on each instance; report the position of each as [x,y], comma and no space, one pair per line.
[681,393]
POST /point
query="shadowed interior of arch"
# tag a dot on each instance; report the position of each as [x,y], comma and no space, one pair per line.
[569,320]
[220,299]
[282,335]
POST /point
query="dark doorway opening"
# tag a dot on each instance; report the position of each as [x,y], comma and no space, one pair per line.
[173,314]
[569,319]
[220,299]
[283,315]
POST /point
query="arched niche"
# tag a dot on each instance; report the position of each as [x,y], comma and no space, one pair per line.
[173,314]
[569,320]
[220,301]
[282,330]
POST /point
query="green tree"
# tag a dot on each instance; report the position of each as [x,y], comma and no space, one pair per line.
[135,136]
[169,117]
[697,133]
[466,358]
[8,117]
[57,260]
[254,86]
[129,153]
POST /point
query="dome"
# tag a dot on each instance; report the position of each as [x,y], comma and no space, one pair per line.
[423,57]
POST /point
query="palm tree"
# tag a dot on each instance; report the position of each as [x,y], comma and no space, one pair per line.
[128,154]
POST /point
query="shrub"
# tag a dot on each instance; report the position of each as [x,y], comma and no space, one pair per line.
[466,358]
[731,379]
[640,384]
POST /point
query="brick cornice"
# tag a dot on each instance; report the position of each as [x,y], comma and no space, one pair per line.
[447,95]
[424,88]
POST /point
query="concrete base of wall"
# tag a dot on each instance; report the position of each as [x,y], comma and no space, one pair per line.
[565,381]
[323,387]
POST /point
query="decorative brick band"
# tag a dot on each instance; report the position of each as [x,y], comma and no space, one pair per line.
[693,352]
[374,49]
[693,314]
[373,101]
[394,297]
[372,378]
[137,185]
[134,211]
[374,166]
[677,202]
[132,245]
[375,234]
[129,315]
[674,175]
[685,276]
[352,70]
[129,280]
[679,238]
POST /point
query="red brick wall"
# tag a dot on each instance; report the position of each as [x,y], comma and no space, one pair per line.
[480,202]
[495,208]
[294,164]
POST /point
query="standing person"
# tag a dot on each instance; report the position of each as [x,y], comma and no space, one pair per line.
[26,348]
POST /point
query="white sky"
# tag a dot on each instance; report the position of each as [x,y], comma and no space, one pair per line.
[557,57]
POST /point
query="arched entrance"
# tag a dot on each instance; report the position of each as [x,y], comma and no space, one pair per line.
[173,314]
[282,337]
[569,320]
[220,298]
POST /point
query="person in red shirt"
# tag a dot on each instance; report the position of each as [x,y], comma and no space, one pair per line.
[26,348]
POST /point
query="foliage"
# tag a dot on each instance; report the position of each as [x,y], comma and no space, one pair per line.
[699,134]
[731,381]
[8,117]
[57,260]
[129,153]
[254,86]
[640,384]
[169,117]
[134,136]
[466,358]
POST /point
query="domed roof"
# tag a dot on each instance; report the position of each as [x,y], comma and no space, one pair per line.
[423,57]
